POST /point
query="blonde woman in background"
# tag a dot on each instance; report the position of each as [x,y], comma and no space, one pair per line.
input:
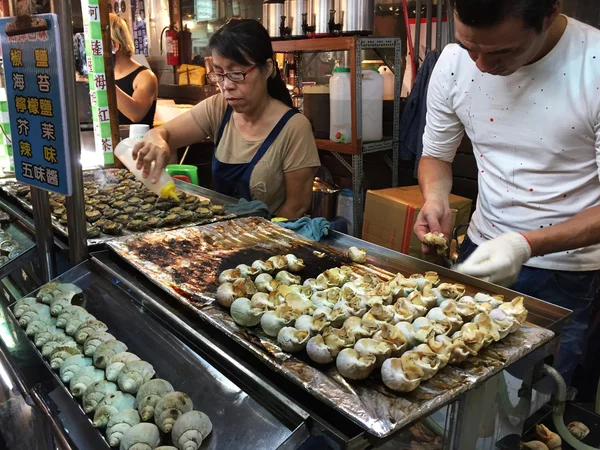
[137,86]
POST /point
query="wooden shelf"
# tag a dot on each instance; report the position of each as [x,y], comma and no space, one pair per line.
[328,44]
[338,147]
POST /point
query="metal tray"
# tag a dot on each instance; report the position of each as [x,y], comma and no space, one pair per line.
[239,421]
[201,253]
[8,185]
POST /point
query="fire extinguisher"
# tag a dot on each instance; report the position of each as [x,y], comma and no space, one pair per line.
[170,33]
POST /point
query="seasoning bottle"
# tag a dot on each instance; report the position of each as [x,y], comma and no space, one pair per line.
[164,186]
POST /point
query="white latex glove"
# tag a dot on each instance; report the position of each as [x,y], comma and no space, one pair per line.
[498,261]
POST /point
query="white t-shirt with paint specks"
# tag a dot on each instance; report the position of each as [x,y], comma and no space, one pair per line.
[535,134]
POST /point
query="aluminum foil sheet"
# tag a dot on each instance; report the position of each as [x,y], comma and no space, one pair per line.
[186,263]
[9,186]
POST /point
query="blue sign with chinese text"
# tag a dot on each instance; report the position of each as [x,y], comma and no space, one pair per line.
[33,68]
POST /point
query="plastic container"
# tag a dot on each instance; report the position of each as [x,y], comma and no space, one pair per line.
[164,186]
[340,106]
[138,130]
[388,82]
[345,208]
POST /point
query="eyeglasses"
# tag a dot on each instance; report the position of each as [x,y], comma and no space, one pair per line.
[236,77]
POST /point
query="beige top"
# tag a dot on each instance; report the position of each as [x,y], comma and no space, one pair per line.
[293,149]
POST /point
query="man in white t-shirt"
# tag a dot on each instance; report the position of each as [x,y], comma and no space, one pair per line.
[523,81]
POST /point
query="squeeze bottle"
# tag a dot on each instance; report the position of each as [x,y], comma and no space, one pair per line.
[164,186]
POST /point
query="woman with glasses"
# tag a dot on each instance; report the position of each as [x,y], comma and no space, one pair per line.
[137,86]
[264,149]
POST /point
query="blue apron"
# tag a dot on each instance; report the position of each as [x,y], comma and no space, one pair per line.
[234,179]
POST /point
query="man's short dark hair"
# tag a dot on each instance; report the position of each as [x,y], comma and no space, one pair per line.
[488,13]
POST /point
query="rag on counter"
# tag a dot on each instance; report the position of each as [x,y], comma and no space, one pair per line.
[313,229]
[244,208]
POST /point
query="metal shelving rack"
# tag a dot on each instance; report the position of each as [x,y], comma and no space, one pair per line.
[357,148]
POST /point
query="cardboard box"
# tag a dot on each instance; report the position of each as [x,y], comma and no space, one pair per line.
[390,216]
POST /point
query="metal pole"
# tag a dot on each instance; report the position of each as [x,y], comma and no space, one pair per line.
[44,236]
[76,223]
[429,26]
[438,25]
[417,35]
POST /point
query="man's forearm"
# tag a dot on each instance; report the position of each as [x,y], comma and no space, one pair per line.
[435,179]
[582,230]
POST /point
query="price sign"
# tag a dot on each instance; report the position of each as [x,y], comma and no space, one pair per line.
[35,88]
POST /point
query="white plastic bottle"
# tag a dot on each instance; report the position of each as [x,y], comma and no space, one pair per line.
[372,106]
[340,107]
[164,186]
[388,82]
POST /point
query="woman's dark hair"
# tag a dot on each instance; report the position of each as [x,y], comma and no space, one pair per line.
[247,42]
[488,13]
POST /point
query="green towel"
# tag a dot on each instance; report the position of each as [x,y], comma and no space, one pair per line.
[313,229]
[244,208]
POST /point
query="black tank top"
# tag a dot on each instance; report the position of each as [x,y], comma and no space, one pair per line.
[126,85]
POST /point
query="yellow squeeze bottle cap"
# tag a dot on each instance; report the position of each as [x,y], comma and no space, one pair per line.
[168,190]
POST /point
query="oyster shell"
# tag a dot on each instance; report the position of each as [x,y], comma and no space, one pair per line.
[113,228]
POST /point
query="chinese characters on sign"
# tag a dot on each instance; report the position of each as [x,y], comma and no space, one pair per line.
[35,89]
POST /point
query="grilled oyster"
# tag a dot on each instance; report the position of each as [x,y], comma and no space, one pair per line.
[92,216]
[163,205]
[101,222]
[135,201]
[120,204]
[22,191]
[88,208]
[146,208]
[204,213]
[102,206]
[57,212]
[155,222]
[116,197]
[137,225]
[63,219]
[130,209]
[112,228]
[92,231]
[187,216]
[91,201]
[108,189]
[176,210]
[139,216]
[123,219]
[110,213]
[172,219]
[217,209]
[91,192]
[205,203]
[192,202]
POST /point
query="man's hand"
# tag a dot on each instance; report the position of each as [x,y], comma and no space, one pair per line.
[498,261]
[435,217]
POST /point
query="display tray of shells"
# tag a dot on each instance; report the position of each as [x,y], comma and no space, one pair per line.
[13,242]
[383,348]
[116,204]
[117,389]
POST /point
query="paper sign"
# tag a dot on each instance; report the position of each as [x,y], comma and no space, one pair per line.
[35,88]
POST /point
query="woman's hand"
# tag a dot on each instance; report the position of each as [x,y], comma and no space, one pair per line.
[154,148]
